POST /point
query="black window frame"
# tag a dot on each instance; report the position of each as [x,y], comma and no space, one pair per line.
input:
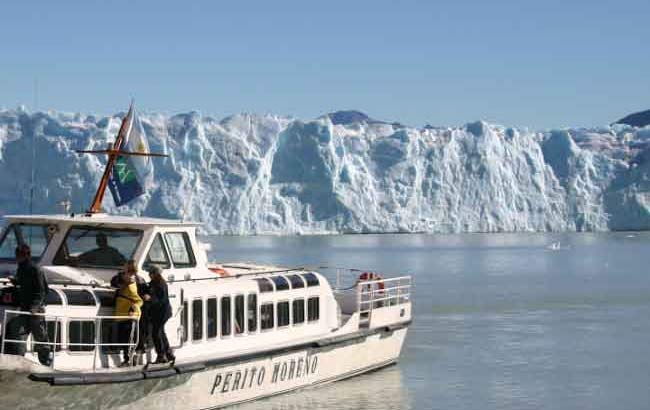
[251,319]
[188,248]
[240,313]
[68,293]
[212,302]
[50,326]
[301,319]
[148,263]
[53,298]
[264,285]
[80,333]
[310,311]
[197,332]
[311,279]
[18,235]
[106,297]
[226,313]
[264,324]
[184,322]
[283,315]
[281,283]
[64,245]
[294,280]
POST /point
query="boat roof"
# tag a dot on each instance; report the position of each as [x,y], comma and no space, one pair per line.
[97,219]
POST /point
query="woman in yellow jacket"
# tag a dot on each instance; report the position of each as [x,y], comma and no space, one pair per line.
[127,304]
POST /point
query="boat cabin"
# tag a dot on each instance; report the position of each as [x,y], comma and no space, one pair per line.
[217,310]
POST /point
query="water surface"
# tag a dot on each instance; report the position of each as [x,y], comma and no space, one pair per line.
[501,321]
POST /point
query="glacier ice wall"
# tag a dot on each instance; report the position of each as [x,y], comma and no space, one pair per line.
[345,173]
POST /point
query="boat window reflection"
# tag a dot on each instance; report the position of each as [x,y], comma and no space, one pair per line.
[180,249]
[34,235]
[157,254]
[98,247]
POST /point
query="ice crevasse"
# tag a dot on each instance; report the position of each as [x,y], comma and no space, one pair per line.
[258,174]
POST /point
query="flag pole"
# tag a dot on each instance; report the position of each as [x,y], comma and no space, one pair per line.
[96,206]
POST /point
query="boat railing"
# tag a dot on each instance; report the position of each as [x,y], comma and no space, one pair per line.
[383,292]
[379,293]
[56,345]
[347,278]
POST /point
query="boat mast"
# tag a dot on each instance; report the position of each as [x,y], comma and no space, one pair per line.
[125,128]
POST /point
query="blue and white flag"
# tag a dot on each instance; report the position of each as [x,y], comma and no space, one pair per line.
[131,175]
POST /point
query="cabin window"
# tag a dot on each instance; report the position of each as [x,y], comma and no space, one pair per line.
[79,297]
[52,328]
[9,244]
[184,320]
[266,316]
[108,329]
[157,254]
[81,332]
[197,319]
[280,282]
[239,314]
[53,298]
[264,285]
[34,235]
[106,298]
[313,309]
[180,249]
[311,279]
[298,311]
[93,246]
[225,316]
[296,281]
[252,312]
[212,318]
[283,314]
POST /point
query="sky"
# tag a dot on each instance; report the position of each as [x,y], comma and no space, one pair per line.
[537,64]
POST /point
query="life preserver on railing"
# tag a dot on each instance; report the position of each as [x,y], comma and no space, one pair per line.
[219,270]
[371,276]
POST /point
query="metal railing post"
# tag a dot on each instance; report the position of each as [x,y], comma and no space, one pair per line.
[4,332]
[56,333]
[98,338]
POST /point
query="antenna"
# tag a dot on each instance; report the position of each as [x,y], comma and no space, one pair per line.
[33,170]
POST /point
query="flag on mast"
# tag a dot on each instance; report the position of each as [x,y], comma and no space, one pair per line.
[131,175]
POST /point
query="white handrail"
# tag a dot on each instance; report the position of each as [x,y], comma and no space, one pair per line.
[57,319]
[372,292]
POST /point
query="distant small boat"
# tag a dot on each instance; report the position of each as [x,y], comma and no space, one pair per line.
[555,246]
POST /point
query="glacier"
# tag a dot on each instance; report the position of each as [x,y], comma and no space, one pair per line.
[340,173]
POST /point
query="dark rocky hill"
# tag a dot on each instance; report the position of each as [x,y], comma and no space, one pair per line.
[638,119]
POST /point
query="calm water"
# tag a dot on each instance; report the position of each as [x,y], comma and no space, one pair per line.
[501,321]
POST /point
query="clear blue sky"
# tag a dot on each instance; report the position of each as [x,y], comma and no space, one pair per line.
[536,63]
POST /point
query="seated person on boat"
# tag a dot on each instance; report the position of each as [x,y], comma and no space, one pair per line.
[104,254]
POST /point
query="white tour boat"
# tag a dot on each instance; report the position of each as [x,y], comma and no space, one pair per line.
[239,331]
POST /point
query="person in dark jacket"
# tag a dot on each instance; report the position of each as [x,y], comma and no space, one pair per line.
[32,295]
[160,310]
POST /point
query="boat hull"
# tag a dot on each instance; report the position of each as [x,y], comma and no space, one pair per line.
[218,385]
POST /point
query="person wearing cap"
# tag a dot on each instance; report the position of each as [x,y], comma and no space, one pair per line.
[32,294]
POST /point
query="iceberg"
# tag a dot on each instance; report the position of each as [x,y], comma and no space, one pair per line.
[343,172]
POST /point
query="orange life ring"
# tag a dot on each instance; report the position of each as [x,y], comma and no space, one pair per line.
[219,271]
[368,276]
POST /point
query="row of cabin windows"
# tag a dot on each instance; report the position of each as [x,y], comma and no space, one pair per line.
[76,297]
[245,315]
[80,333]
[279,283]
